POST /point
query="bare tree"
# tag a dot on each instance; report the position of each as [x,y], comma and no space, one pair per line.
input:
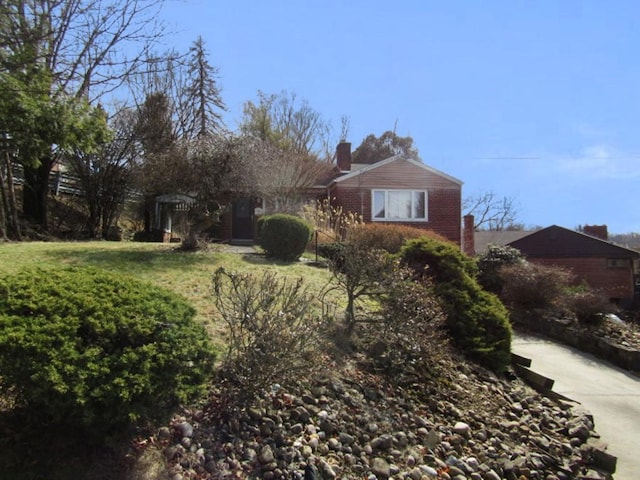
[88,47]
[106,175]
[217,169]
[288,123]
[286,176]
[295,147]
[188,82]
[83,42]
[345,127]
[490,211]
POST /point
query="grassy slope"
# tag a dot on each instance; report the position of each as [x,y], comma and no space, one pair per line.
[186,273]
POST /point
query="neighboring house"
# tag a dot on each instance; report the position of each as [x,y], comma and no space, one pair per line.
[396,190]
[601,264]
[477,242]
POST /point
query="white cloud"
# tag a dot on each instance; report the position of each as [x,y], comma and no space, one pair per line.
[599,162]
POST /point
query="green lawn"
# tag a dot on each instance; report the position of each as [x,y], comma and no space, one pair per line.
[186,273]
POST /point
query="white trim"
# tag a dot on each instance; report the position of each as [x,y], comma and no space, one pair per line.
[386,191]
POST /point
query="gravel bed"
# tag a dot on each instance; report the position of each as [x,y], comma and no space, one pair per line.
[353,424]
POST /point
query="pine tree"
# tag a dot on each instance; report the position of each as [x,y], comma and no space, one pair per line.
[202,101]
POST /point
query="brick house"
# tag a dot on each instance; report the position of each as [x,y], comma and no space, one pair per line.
[395,190]
[601,264]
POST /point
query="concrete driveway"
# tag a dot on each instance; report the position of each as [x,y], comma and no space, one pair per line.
[612,395]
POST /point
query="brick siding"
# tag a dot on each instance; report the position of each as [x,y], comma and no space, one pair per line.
[444,209]
[615,282]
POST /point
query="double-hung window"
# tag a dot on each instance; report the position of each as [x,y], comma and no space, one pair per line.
[399,205]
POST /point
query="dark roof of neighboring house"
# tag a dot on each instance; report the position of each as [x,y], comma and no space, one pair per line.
[560,242]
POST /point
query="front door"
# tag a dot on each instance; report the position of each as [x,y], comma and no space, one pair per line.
[242,223]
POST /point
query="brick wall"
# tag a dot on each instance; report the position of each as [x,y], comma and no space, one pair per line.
[615,282]
[468,235]
[353,200]
[443,217]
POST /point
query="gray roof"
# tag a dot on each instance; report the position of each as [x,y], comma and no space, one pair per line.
[362,168]
[483,239]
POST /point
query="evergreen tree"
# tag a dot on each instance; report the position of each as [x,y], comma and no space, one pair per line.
[202,101]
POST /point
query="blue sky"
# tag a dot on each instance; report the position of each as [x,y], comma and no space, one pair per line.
[538,101]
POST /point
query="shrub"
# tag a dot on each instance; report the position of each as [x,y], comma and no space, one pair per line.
[444,260]
[388,237]
[491,262]
[334,252]
[529,285]
[360,273]
[405,335]
[273,330]
[477,320]
[113,234]
[141,236]
[479,323]
[283,237]
[95,351]
[588,305]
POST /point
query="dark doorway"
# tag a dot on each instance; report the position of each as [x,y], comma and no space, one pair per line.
[242,223]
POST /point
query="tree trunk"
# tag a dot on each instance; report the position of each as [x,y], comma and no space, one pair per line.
[350,315]
[9,201]
[4,207]
[3,210]
[35,194]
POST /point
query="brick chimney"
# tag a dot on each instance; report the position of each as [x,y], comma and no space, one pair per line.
[343,156]
[468,232]
[598,231]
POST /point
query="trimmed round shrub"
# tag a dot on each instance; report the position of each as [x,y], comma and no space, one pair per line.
[283,237]
[476,319]
[91,350]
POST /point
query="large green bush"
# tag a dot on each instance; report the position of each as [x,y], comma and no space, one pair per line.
[477,320]
[444,260]
[92,350]
[283,237]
